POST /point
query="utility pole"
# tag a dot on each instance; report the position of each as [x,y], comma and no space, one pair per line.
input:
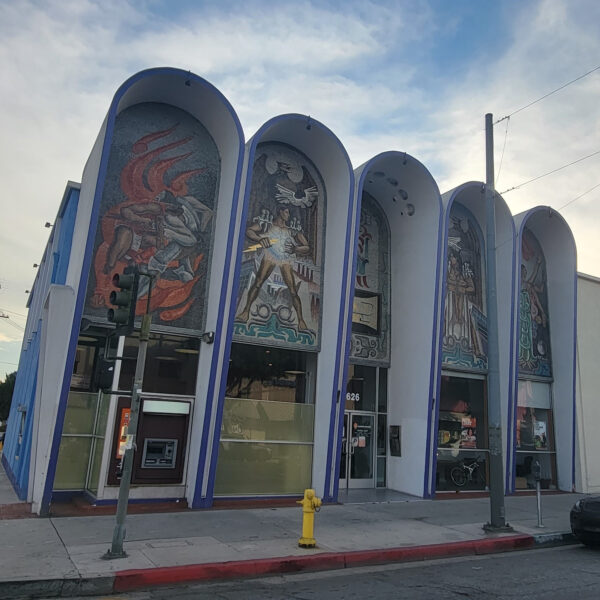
[497,520]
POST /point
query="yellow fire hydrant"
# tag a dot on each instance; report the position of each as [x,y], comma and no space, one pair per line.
[310,505]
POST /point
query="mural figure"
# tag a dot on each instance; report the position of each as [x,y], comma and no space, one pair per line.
[281,244]
[151,216]
[465,323]
[362,258]
[280,279]
[534,335]
[371,307]
[460,290]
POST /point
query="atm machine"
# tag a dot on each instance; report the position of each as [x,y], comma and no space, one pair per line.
[161,441]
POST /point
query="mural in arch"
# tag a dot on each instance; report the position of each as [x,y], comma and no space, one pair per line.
[279,299]
[464,342]
[534,333]
[371,308]
[157,214]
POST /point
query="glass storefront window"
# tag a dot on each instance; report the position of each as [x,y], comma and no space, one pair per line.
[83,367]
[382,399]
[535,435]
[76,441]
[171,364]
[361,388]
[461,470]
[534,416]
[72,464]
[462,434]
[381,480]
[462,414]
[524,470]
[259,468]
[267,429]
[248,419]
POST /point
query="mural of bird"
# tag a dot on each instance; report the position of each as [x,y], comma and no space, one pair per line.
[285,196]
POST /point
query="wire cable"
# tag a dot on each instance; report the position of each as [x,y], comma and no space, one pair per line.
[503,148]
[562,87]
[516,187]
[12,312]
[577,198]
[15,325]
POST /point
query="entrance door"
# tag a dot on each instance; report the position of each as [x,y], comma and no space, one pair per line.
[356,467]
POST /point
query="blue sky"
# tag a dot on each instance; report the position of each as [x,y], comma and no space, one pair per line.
[413,76]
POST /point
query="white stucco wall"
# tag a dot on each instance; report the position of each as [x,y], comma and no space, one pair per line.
[587,396]
[414,250]
[56,319]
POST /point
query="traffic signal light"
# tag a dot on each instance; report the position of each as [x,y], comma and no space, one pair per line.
[124,300]
[105,375]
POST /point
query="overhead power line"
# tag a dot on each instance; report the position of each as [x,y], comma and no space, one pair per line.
[562,87]
[503,149]
[12,312]
[8,321]
[577,198]
[516,187]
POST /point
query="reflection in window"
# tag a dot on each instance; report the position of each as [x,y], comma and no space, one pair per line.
[271,374]
[462,431]
[267,429]
[535,435]
[171,364]
[461,423]
[361,388]
[461,471]
[83,367]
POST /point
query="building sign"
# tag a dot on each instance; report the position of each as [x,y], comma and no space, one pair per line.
[371,308]
[534,332]
[464,342]
[157,213]
[279,298]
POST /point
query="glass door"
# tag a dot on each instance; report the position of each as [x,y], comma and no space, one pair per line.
[356,466]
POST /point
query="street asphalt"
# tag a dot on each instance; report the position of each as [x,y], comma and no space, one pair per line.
[63,556]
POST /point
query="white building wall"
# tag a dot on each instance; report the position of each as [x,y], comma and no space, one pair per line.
[587,402]
[414,250]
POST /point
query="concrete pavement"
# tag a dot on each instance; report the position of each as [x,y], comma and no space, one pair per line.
[62,556]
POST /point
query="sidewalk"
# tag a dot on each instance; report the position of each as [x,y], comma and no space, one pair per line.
[61,556]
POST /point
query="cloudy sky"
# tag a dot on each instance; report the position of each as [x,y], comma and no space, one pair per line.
[409,75]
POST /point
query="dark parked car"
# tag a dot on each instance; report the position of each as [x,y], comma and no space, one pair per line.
[585,520]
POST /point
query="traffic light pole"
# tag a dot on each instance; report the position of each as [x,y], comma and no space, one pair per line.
[116,550]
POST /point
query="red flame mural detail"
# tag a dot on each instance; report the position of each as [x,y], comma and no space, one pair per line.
[133,231]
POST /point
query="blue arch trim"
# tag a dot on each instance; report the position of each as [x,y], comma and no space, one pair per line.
[87,260]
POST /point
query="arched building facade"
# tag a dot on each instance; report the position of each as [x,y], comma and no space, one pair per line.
[312,325]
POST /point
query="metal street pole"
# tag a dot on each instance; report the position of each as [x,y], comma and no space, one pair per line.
[497,520]
[116,550]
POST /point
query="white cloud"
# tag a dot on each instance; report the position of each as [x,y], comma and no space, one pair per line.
[364,70]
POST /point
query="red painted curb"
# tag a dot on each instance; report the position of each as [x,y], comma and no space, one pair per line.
[135,579]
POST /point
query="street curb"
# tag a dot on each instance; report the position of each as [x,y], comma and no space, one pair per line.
[57,588]
[136,579]
[554,539]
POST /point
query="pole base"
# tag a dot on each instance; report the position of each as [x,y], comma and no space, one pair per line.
[506,528]
[110,555]
[307,542]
